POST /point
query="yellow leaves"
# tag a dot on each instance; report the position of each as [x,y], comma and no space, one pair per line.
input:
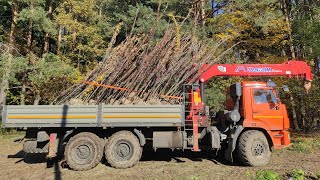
[81,34]
[260,27]
[177,27]
[83,8]
[232,25]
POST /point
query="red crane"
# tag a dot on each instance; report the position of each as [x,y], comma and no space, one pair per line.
[291,68]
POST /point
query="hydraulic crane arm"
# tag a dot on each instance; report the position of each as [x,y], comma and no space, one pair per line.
[290,69]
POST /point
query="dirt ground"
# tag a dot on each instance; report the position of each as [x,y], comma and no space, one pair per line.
[14,164]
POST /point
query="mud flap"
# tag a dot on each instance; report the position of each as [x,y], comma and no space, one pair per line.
[232,142]
[53,145]
[215,137]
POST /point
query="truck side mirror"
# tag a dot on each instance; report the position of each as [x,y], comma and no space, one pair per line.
[271,83]
[238,89]
[285,88]
[235,90]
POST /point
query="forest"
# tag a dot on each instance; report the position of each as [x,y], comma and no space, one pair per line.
[48,48]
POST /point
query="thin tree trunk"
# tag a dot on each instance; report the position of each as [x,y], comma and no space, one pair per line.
[7,70]
[29,36]
[203,12]
[37,98]
[78,58]
[212,7]
[59,40]
[303,114]
[294,113]
[46,38]
[23,91]
[287,19]
[195,12]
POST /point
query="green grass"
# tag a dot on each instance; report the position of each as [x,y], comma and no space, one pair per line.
[9,134]
[305,144]
[318,174]
[297,174]
[267,175]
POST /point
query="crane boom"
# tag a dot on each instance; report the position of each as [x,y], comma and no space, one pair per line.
[291,68]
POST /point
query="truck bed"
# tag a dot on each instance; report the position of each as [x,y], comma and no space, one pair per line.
[15,116]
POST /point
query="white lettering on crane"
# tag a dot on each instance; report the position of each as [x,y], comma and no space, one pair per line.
[240,68]
[257,69]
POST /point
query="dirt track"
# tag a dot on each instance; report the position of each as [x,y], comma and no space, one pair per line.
[14,164]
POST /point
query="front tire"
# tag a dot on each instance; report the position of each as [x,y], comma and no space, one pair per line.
[84,151]
[123,150]
[253,148]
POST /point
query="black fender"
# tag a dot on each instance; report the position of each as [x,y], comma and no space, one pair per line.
[232,142]
[141,137]
[66,135]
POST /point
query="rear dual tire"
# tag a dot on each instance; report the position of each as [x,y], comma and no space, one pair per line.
[123,150]
[84,151]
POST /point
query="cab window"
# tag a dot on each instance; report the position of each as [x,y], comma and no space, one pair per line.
[264,96]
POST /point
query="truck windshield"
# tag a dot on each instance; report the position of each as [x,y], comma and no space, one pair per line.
[264,96]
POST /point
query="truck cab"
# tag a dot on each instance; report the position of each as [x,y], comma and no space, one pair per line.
[262,109]
[254,120]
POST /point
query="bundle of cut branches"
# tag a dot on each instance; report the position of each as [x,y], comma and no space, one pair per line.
[140,71]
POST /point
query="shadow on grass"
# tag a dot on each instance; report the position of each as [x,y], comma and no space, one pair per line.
[165,155]
[39,158]
[179,156]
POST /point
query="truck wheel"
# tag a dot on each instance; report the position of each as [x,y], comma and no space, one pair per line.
[253,148]
[123,150]
[84,151]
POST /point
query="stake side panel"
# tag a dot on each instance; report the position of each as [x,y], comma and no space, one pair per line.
[92,116]
[142,115]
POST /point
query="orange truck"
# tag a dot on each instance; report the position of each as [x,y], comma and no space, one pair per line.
[253,122]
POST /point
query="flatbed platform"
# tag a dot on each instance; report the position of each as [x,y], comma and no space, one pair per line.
[92,116]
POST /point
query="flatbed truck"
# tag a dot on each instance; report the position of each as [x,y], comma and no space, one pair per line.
[253,123]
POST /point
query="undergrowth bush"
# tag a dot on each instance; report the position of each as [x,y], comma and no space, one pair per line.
[267,175]
[297,174]
[305,145]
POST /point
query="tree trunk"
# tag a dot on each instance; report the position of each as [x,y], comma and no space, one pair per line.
[294,114]
[46,38]
[37,98]
[7,70]
[29,36]
[287,19]
[195,12]
[302,108]
[59,40]
[203,12]
[23,91]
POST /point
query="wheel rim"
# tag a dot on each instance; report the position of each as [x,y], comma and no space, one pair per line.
[123,150]
[82,154]
[258,149]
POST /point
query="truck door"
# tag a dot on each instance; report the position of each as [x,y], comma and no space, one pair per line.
[266,109]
